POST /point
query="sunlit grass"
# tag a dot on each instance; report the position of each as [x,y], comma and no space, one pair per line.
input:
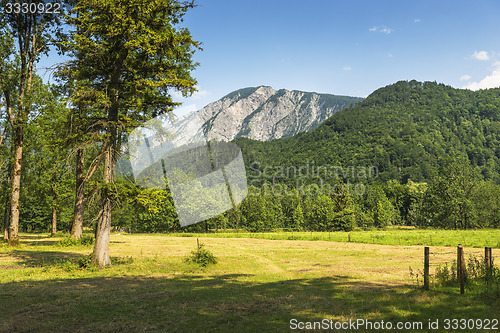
[257,285]
[426,237]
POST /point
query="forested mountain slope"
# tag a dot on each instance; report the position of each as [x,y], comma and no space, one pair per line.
[403,129]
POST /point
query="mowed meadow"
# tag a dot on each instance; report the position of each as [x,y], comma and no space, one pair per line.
[257,285]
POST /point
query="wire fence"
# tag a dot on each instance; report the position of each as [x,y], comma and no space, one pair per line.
[439,258]
[457,262]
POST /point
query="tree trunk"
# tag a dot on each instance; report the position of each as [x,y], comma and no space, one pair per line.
[6,221]
[79,209]
[54,220]
[101,248]
[16,186]
[54,211]
[6,217]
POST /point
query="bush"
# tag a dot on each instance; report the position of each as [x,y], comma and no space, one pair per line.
[201,256]
[85,262]
[446,276]
[67,242]
[60,234]
[477,276]
[86,240]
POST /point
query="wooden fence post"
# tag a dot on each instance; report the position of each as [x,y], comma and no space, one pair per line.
[458,261]
[491,261]
[488,262]
[426,268]
[462,268]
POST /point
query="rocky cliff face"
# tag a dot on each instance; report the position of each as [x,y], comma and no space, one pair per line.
[263,113]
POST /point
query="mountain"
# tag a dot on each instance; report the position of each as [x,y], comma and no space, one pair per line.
[261,113]
[404,130]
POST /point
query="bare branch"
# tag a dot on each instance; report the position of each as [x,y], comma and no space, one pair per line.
[10,116]
[96,162]
[92,193]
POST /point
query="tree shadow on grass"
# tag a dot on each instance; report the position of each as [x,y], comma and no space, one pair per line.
[30,259]
[41,243]
[34,236]
[223,303]
[42,258]
[34,240]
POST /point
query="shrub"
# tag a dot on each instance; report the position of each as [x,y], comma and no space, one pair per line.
[67,242]
[446,276]
[477,276]
[60,234]
[86,240]
[85,262]
[201,256]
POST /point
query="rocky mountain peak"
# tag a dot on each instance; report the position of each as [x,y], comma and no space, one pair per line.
[263,113]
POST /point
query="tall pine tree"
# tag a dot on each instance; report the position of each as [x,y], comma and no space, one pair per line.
[130,55]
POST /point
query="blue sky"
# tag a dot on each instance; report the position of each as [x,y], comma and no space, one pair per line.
[343,47]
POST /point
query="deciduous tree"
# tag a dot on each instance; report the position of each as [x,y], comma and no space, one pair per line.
[451,199]
[33,32]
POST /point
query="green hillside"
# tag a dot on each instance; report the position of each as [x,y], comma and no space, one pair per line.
[405,130]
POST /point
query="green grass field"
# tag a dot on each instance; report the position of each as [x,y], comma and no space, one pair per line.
[427,237]
[258,285]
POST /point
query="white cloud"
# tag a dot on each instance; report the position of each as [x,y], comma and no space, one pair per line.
[481,55]
[200,93]
[197,95]
[417,20]
[390,55]
[465,77]
[383,29]
[347,68]
[490,81]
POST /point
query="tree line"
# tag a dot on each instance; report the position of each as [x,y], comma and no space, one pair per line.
[455,198]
